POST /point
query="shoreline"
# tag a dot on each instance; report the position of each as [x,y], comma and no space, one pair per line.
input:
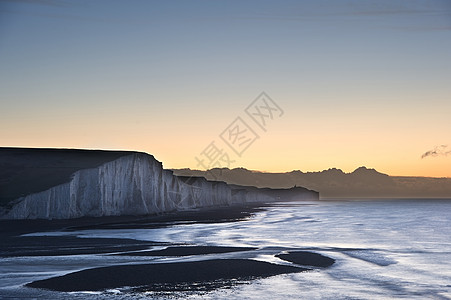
[201,271]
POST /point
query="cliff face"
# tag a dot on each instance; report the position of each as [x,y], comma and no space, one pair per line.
[135,184]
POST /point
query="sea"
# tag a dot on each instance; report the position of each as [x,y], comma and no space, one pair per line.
[384,249]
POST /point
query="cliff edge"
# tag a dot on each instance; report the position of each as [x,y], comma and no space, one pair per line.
[67,183]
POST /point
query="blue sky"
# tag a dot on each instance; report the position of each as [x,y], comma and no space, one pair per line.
[360,82]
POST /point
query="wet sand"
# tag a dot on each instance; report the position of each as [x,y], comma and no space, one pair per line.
[161,276]
[305,258]
[188,250]
[68,245]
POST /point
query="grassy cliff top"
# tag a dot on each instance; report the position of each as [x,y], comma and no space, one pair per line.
[29,170]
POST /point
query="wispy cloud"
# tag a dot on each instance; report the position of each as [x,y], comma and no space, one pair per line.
[401,15]
[442,150]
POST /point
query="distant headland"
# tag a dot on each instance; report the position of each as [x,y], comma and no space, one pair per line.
[334,183]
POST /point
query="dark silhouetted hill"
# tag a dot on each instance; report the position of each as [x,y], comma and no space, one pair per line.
[334,183]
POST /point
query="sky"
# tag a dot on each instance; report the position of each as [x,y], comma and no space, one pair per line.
[345,83]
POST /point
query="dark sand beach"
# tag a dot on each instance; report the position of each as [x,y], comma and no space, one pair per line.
[68,245]
[14,243]
[188,250]
[305,258]
[203,274]
[154,276]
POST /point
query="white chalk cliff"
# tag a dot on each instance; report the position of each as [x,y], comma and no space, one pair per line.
[136,184]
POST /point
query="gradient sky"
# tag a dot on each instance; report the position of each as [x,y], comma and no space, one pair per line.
[360,82]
